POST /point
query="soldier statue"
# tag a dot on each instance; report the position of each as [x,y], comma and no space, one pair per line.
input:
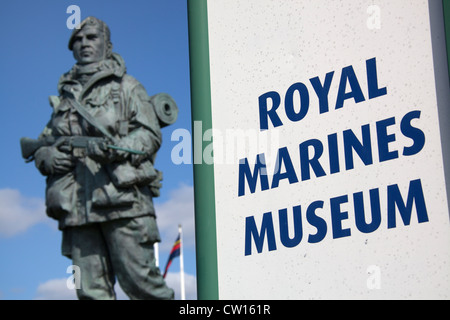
[97,152]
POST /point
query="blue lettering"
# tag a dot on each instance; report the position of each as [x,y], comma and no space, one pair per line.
[333,153]
[245,174]
[337,215]
[265,114]
[360,219]
[289,102]
[284,229]
[384,139]
[372,80]
[306,161]
[322,91]
[256,237]
[251,231]
[395,200]
[413,133]
[348,75]
[283,157]
[317,222]
[364,150]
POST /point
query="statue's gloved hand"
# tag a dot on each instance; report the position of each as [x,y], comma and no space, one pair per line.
[50,160]
[99,152]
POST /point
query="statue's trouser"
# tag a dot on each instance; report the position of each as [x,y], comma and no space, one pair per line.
[122,248]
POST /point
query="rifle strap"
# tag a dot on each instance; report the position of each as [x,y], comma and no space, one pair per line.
[92,120]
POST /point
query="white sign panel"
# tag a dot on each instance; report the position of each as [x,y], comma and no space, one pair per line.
[328,164]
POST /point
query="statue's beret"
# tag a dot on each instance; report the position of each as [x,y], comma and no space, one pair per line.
[93,22]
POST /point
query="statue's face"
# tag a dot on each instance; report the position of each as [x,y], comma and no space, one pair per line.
[89,45]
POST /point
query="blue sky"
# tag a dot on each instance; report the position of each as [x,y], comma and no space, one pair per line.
[152,37]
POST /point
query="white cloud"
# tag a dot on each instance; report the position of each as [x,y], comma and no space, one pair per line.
[179,209]
[55,289]
[18,213]
[190,283]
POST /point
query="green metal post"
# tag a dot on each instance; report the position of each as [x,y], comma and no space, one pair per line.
[205,213]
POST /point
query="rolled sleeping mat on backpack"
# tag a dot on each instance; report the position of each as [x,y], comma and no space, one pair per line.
[166,109]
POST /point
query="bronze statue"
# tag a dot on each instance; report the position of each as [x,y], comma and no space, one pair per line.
[98,152]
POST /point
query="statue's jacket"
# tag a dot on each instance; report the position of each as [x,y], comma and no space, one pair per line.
[93,192]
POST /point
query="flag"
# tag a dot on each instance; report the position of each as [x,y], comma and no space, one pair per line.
[175,252]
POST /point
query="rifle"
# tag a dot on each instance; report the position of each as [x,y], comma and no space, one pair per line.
[30,146]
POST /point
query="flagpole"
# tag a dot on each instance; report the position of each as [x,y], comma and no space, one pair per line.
[156,253]
[183,291]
